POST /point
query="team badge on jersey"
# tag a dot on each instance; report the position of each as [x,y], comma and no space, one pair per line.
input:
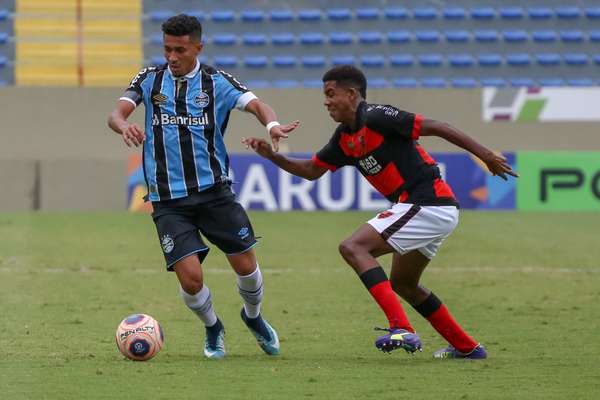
[159,99]
[167,244]
[202,100]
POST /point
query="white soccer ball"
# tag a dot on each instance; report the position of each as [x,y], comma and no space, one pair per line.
[139,337]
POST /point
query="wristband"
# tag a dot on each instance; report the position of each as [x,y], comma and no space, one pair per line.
[270,125]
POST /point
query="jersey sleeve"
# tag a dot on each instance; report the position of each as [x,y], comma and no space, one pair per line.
[234,93]
[331,155]
[134,92]
[391,120]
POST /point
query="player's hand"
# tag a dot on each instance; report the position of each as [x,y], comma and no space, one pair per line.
[281,131]
[133,135]
[260,146]
[498,165]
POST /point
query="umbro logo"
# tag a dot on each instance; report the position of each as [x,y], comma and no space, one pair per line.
[159,99]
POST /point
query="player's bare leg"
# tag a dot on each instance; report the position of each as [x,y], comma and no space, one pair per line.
[250,287]
[360,251]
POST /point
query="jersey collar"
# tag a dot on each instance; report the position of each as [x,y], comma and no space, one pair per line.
[190,74]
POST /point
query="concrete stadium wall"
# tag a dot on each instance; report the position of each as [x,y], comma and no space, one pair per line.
[57,153]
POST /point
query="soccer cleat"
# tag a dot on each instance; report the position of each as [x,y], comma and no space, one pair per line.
[398,338]
[214,344]
[263,332]
[478,353]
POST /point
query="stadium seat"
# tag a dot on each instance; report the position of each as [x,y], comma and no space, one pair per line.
[548,59]
[568,12]
[486,35]
[378,83]
[463,83]
[252,16]
[596,58]
[580,82]
[553,82]
[312,83]
[343,60]
[518,59]
[339,14]
[402,60]
[3,62]
[160,15]
[544,36]
[515,36]
[425,13]
[310,15]
[396,13]
[4,14]
[222,16]
[592,12]
[370,37]
[429,36]
[313,61]
[483,13]
[283,39]
[492,82]
[372,61]
[312,38]
[571,36]
[576,59]
[254,39]
[512,13]
[454,13]
[226,61]
[286,84]
[398,37]
[433,83]
[367,14]
[283,15]
[157,60]
[3,37]
[284,61]
[3,83]
[224,39]
[457,36]
[489,60]
[460,60]
[197,14]
[595,36]
[405,82]
[255,62]
[522,82]
[258,84]
[340,38]
[539,13]
[430,60]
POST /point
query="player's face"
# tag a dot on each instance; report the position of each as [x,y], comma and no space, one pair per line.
[339,101]
[181,53]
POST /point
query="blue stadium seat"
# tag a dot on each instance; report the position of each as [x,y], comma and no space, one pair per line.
[483,13]
[398,36]
[224,39]
[522,82]
[580,82]
[367,14]
[548,59]
[154,60]
[258,84]
[310,15]
[396,13]
[255,62]
[312,38]
[226,61]
[222,16]
[429,36]
[4,15]
[552,82]
[313,61]
[252,16]
[160,15]
[425,13]
[340,38]
[405,83]
[286,84]
[539,13]
[3,37]
[576,59]
[283,15]
[430,60]
[312,83]
[492,82]
[372,61]
[518,59]
[461,60]
[489,60]
[3,83]
[463,83]
[454,13]
[486,35]
[254,39]
[433,83]
[402,60]
[457,36]
[595,36]
[378,83]
[284,61]
[370,37]
[156,39]
[515,36]
[596,59]
[544,36]
[343,60]
[568,12]
[572,36]
[198,14]
[283,39]
[339,14]
[512,13]
[592,12]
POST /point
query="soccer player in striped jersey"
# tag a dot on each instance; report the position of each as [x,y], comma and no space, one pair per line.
[382,142]
[186,166]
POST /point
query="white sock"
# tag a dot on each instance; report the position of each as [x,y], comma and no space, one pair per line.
[200,304]
[250,288]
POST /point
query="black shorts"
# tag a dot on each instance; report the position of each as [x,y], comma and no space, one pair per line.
[216,215]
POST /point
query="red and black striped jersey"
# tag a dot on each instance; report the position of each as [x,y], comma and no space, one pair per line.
[385,149]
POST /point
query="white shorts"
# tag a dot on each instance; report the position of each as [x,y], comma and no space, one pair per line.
[408,227]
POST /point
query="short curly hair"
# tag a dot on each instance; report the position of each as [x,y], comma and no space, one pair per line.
[181,25]
[348,76]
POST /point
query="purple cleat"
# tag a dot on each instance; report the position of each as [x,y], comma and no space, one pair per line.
[398,338]
[478,353]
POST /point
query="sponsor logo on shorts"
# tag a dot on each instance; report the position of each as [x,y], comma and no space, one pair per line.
[244,232]
[385,214]
[167,244]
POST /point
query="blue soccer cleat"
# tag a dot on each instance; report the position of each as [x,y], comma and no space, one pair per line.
[263,332]
[214,344]
[478,353]
[398,339]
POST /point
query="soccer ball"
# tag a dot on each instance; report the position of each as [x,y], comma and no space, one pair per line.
[139,337]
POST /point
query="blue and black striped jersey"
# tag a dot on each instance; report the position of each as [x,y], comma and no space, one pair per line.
[186,118]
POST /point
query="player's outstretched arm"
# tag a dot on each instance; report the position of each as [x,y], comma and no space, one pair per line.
[306,169]
[496,163]
[266,115]
[117,121]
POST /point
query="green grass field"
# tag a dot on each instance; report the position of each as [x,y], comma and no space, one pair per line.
[526,285]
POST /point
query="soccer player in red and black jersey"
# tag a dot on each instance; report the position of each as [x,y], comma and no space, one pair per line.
[382,142]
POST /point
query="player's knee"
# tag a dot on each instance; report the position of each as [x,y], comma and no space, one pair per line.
[191,284]
[348,249]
